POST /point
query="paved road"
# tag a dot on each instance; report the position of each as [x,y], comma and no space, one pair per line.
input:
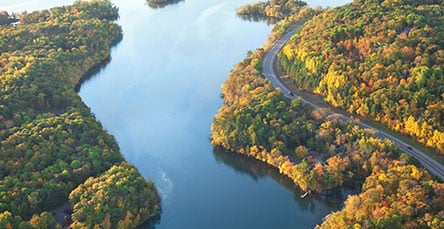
[268,71]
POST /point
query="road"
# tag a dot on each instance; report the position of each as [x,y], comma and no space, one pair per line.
[268,71]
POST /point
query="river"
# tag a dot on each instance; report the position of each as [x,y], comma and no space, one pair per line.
[158,95]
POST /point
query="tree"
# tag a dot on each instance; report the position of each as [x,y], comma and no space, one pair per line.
[43,220]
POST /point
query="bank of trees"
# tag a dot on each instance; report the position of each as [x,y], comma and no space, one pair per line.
[316,150]
[384,63]
[50,142]
[396,196]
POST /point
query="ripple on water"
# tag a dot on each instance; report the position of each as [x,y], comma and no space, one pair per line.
[164,185]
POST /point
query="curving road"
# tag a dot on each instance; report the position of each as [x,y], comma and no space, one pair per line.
[268,71]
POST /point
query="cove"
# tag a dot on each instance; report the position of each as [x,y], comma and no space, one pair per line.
[158,95]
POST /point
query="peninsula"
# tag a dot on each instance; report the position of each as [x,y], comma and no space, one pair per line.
[52,149]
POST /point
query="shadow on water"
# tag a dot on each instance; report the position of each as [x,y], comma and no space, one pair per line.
[258,18]
[151,224]
[91,73]
[162,3]
[258,170]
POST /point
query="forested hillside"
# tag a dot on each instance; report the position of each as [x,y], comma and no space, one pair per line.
[320,152]
[379,59]
[50,142]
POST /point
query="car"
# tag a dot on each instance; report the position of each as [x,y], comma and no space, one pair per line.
[290,93]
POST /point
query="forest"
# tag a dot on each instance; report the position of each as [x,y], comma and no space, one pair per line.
[384,64]
[319,152]
[52,147]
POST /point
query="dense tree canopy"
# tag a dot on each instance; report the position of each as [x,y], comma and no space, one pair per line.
[119,198]
[50,141]
[378,59]
[399,196]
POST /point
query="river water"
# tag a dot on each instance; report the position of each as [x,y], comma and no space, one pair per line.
[158,95]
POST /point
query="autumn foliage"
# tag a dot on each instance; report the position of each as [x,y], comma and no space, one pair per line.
[378,59]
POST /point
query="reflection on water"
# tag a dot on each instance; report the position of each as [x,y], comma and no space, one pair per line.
[258,170]
[162,3]
[255,169]
[92,72]
[258,18]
